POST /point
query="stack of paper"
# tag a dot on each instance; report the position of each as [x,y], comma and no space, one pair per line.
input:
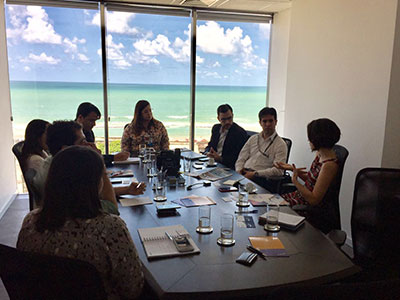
[130,200]
[264,199]
[194,200]
[269,245]
[288,221]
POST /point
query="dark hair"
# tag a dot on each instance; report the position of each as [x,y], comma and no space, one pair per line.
[33,133]
[61,133]
[72,188]
[86,108]
[323,133]
[137,121]
[223,108]
[267,111]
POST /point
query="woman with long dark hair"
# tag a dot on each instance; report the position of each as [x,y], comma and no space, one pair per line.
[72,224]
[144,129]
[35,147]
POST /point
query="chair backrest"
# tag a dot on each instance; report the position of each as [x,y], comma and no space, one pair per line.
[375,215]
[289,146]
[34,198]
[250,133]
[326,215]
[29,275]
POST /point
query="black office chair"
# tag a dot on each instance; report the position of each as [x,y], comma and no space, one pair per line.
[382,290]
[375,223]
[34,197]
[250,133]
[326,215]
[29,275]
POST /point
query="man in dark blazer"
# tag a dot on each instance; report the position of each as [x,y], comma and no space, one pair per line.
[227,138]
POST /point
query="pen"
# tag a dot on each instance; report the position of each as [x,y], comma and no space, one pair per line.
[116,182]
[255,250]
[169,236]
[138,186]
[247,212]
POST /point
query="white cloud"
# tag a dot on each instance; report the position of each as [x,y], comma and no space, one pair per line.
[42,58]
[83,58]
[27,69]
[212,74]
[122,64]
[216,65]
[71,47]
[39,29]
[138,58]
[199,60]
[117,22]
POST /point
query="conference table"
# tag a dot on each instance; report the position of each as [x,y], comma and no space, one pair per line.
[214,273]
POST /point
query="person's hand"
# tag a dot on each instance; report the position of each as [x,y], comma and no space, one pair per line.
[296,173]
[249,174]
[214,155]
[121,156]
[283,166]
[136,188]
[242,171]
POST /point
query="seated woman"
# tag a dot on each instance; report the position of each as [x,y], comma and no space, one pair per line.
[72,224]
[35,147]
[323,134]
[144,129]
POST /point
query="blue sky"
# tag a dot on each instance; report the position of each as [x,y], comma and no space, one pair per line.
[63,44]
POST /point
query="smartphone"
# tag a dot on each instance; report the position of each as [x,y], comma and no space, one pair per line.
[182,244]
[225,189]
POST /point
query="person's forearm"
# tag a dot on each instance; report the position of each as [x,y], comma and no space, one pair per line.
[307,194]
[108,191]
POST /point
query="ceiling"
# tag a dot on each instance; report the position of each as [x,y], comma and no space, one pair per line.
[253,6]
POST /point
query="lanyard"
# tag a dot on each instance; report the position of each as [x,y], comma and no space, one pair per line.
[258,145]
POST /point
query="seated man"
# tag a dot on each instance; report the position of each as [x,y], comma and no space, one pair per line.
[87,115]
[62,134]
[227,138]
[260,153]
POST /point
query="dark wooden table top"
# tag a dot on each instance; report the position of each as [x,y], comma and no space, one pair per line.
[313,258]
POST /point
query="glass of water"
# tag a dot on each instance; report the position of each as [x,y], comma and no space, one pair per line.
[243,197]
[160,188]
[272,218]
[187,163]
[204,220]
[226,238]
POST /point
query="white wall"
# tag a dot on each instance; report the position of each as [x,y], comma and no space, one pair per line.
[278,65]
[339,66]
[8,185]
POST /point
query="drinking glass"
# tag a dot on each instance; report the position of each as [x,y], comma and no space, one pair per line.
[159,192]
[226,238]
[204,220]
[243,197]
[187,163]
[272,218]
[142,150]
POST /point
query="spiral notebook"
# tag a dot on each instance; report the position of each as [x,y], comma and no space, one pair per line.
[157,244]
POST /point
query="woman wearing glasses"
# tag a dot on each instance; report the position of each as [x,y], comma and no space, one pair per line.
[144,129]
[323,134]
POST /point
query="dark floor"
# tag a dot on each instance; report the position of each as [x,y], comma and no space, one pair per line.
[11,222]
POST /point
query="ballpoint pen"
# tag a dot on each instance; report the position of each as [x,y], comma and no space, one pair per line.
[247,211]
[255,250]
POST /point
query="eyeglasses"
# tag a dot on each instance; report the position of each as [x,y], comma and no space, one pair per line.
[226,119]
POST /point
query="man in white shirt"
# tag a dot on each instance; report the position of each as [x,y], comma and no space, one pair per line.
[257,157]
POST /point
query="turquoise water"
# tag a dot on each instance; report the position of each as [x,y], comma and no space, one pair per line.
[171,105]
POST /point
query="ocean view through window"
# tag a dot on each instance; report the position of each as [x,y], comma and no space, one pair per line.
[55,64]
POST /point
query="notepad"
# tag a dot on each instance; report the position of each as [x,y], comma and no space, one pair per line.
[157,244]
[130,200]
[194,200]
[269,245]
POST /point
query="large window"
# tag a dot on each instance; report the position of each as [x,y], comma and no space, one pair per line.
[148,58]
[232,61]
[55,63]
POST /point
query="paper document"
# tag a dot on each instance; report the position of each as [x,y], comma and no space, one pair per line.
[130,160]
[264,199]
[130,200]
[269,245]
[194,200]
[289,221]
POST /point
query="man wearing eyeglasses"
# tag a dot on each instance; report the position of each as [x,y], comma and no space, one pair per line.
[227,138]
[257,158]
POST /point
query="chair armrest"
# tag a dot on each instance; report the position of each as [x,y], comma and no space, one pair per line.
[300,207]
[338,237]
[287,188]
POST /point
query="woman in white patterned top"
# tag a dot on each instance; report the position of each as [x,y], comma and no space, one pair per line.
[72,224]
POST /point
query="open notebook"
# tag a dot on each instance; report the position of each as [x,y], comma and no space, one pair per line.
[157,244]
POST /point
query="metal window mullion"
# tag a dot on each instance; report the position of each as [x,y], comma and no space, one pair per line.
[269,64]
[193,78]
[104,69]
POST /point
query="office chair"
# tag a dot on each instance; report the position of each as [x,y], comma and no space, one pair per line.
[375,223]
[382,290]
[34,197]
[29,275]
[250,133]
[326,215]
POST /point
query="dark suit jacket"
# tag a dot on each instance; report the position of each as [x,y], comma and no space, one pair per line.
[235,140]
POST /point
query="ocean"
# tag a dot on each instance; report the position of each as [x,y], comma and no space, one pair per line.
[170,103]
